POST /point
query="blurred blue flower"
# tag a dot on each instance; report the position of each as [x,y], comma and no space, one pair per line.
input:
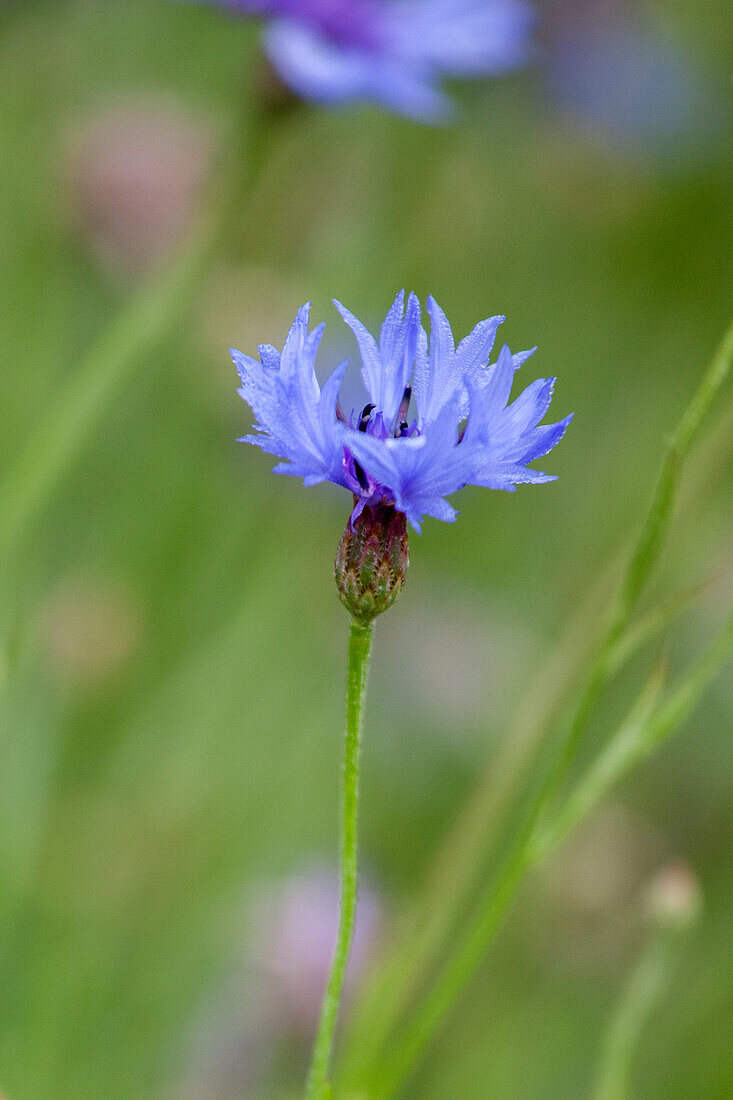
[462,430]
[623,79]
[392,52]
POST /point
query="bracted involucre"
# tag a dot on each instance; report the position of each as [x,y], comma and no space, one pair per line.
[372,561]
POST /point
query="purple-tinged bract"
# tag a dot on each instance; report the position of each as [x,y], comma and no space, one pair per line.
[393,52]
[437,417]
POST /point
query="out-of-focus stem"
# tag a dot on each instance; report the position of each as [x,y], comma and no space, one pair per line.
[644,989]
[648,726]
[674,904]
[138,328]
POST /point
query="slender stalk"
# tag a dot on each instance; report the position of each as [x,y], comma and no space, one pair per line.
[644,557]
[454,870]
[360,642]
[631,742]
[647,727]
[451,876]
[645,988]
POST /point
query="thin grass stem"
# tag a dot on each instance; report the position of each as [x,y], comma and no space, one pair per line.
[674,905]
[645,987]
[645,729]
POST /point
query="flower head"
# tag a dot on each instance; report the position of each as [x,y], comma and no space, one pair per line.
[392,52]
[437,416]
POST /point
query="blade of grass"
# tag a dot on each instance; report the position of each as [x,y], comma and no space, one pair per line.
[456,974]
[673,904]
[644,557]
[645,987]
[450,877]
[644,731]
[617,756]
[454,869]
[653,623]
[454,866]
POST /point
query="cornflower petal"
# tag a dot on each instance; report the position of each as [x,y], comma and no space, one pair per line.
[436,381]
[466,37]
[499,384]
[540,441]
[294,419]
[386,368]
[474,350]
[393,52]
[528,409]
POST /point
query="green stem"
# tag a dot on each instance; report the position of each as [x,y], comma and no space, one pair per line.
[388,1079]
[647,727]
[463,854]
[645,987]
[360,642]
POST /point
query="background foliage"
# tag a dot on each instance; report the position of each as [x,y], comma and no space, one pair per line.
[172,708]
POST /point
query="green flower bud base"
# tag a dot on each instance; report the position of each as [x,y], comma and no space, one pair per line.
[371,561]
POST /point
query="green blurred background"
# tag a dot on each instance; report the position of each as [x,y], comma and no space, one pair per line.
[171,742]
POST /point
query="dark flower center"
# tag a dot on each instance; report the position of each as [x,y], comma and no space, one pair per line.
[366,412]
[373,423]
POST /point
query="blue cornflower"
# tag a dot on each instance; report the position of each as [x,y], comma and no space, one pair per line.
[392,52]
[626,83]
[437,416]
